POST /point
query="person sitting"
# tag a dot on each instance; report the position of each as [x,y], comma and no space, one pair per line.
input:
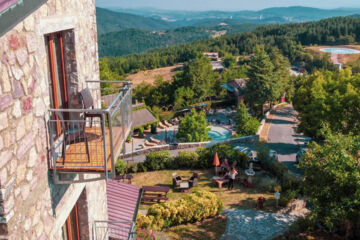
[224,166]
[231,174]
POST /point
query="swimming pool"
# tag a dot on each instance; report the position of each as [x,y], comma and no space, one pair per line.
[219,133]
[340,50]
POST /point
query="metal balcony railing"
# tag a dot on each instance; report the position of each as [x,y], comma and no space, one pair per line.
[117,230]
[90,140]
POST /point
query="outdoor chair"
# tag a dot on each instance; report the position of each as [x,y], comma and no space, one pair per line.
[176,180]
[166,123]
[72,135]
[88,103]
[194,180]
[147,143]
[155,140]
[162,125]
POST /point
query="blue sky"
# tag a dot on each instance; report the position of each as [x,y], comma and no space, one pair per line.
[230,5]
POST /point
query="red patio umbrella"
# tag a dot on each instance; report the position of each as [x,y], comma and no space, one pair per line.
[216,162]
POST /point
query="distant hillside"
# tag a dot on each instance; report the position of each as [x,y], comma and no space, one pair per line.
[265,16]
[135,40]
[109,21]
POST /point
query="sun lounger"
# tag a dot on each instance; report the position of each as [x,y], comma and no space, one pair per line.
[162,125]
[167,124]
[155,140]
[147,143]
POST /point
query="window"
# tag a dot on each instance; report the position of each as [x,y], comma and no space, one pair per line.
[70,230]
[57,75]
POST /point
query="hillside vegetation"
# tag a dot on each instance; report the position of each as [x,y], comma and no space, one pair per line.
[110,21]
[136,41]
[289,38]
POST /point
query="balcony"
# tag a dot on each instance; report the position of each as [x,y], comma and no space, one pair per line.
[119,230]
[87,140]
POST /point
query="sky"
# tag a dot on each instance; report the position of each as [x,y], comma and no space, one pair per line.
[227,5]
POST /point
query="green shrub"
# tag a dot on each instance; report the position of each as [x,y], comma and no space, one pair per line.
[132,167]
[191,208]
[120,166]
[142,167]
[128,139]
[262,152]
[242,159]
[154,128]
[267,184]
[205,158]
[224,151]
[157,160]
[141,132]
[287,196]
[187,159]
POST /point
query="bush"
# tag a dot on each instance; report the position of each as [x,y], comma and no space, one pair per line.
[187,159]
[141,132]
[205,158]
[154,128]
[157,160]
[262,152]
[267,184]
[128,139]
[242,159]
[132,167]
[120,167]
[191,208]
[142,167]
[287,196]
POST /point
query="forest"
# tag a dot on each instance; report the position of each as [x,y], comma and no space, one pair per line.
[289,39]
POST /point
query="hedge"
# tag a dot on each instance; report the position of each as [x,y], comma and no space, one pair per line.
[191,208]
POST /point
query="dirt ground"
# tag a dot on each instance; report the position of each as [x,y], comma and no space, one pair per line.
[149,76]
[342,58]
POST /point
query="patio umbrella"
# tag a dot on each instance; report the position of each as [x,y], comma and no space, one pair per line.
[216,162]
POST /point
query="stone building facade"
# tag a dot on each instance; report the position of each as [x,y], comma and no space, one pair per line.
[32,206]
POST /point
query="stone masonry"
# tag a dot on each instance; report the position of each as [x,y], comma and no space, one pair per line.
[27,208]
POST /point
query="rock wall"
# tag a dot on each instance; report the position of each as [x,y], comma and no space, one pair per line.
[31,206]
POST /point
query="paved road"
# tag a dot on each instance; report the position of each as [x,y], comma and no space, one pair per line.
[283,138]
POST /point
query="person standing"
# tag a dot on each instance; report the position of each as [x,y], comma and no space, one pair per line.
[232,174]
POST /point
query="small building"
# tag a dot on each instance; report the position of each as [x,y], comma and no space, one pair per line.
[213,56]
[142,116]
[217,66]
[237,88]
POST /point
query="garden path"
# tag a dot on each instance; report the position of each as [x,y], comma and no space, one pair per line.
[247,224]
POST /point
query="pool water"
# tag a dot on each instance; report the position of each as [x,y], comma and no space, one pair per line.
[340,50]
[219,133]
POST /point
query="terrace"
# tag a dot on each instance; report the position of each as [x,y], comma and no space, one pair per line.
[89,139]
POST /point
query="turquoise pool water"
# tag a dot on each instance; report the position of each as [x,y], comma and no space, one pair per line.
[340,50]
[219,133]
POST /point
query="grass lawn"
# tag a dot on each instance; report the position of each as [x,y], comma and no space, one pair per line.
[239,197]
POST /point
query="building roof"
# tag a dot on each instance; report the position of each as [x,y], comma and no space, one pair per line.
[123,201]
[14,11]
[236,86]
[217,65]
[142,117]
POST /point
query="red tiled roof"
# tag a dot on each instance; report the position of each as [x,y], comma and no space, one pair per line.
[122,200]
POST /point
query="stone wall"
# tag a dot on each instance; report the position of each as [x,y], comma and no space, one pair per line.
[27,209]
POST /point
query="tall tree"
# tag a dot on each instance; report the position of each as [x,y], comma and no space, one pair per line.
[261,86]
[245,123]
[193,128]
[332,177]
[329,98]
[198,76]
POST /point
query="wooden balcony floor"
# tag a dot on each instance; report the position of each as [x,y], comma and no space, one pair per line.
[76,158]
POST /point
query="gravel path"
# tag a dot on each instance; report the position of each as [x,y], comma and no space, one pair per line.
[254,225]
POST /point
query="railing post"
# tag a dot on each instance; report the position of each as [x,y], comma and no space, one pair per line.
[111,144]
[105,150]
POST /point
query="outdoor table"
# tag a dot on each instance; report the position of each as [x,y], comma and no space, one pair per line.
[219,181]
[155,193]
[184,187]
[128,177]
